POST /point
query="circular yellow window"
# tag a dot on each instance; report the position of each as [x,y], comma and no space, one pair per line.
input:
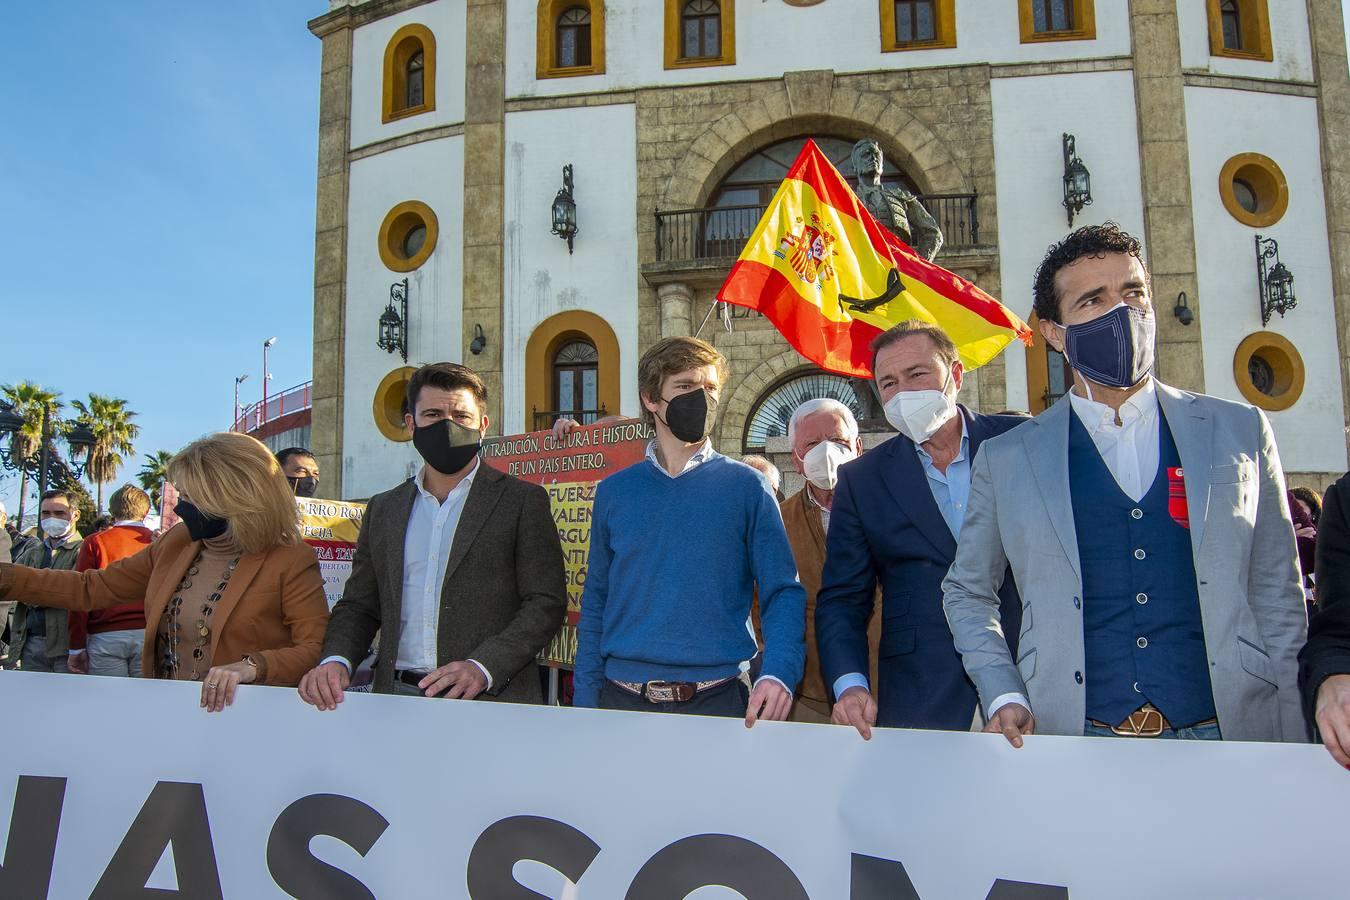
[391,402]
[1268,371]
[1254,190]
[408,235]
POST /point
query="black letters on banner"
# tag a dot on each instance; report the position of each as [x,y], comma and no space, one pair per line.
[296,871]
[31,849]
[874,878]
[1026,890]
[505,843]
[175,812]
[704,860]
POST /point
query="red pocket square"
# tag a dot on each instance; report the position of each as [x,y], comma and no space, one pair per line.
[1176,497]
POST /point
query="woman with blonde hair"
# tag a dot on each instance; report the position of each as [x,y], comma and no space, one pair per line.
[232,594]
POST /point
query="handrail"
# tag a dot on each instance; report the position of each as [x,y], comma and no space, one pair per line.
[292,400]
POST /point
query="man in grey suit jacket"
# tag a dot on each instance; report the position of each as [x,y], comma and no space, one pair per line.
[459,569]
[1148,533]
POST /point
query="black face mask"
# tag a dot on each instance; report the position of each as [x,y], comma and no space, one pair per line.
[200,526]
[690,416]
[447,446]
[303,487]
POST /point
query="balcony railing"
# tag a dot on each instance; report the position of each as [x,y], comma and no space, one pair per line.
[689,235]
[544,418]
[292,400]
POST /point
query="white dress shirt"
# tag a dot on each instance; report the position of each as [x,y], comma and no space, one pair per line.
[1130,451]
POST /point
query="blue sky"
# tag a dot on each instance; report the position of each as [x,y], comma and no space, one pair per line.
[157,178]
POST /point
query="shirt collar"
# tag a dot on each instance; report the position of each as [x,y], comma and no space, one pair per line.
[1096,416]
[419,481]
[702,455]
[135,523]
[960,454]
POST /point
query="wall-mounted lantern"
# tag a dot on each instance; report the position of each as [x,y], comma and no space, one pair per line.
[394,321]
[479,340]
[1077,180]
[1275,282]
[1183,310]
[565,210]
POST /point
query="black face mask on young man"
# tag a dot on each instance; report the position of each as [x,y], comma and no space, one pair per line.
[200,526]
[447,446]
[303,486]
[690,415]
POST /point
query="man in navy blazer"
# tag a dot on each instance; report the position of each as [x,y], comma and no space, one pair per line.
[896,520]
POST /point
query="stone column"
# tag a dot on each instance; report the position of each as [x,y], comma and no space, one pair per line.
[1165,170]
[676,300]
[1333,115]
[330,245]
[484,193]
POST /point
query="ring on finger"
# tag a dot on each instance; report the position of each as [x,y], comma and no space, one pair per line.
[211,685]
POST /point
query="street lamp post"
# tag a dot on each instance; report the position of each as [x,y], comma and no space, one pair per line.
[238,380]
[80,440]
[262,413]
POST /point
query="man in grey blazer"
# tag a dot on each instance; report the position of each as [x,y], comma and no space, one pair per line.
[1148,533]
[459,569]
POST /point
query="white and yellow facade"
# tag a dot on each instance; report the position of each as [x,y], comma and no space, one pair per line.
[445,126]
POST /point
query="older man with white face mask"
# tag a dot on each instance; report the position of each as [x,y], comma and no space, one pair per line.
[40,635]
[895,518]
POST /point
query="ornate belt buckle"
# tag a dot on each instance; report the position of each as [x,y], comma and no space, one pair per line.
[1144,722]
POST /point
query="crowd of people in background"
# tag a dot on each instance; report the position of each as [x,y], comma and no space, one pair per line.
[1127,564]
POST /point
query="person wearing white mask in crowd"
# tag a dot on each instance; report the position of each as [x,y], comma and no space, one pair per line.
[40,635]
[823,435]
[895,518]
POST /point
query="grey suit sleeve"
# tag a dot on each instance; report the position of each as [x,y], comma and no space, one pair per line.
[356,617]
[970,592]
[1273,589]
[541,583]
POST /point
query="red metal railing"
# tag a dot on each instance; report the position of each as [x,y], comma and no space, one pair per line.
[292,400]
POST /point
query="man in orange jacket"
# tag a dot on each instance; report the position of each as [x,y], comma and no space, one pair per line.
[110,641]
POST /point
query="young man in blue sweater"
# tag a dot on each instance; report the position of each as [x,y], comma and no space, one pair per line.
[679,543]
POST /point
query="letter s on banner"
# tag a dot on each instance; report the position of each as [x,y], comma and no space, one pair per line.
[506,842]
[298,872]
[705,860]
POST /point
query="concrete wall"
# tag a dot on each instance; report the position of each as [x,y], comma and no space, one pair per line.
[1030,117]
[432,172]
[1221,124]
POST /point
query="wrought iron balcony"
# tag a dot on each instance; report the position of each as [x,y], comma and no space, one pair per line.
[544,418]
[714,233]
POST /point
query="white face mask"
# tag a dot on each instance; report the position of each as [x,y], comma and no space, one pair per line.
[54,528]
[821,463]
[919,414]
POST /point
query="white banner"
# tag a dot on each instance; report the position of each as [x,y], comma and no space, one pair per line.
[407,798]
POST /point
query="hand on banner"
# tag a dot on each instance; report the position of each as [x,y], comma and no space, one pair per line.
[322,686]
[1012,721]
[79,662]
[1333,717]
[563,427]
[769,700]
[220,683]
[857,707]
[459,680]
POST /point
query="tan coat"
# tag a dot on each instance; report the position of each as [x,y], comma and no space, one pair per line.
[806,534]
[273,608]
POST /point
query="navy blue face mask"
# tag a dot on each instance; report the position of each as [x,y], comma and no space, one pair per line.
[1114,350]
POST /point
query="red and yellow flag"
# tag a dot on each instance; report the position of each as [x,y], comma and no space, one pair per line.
[830,278]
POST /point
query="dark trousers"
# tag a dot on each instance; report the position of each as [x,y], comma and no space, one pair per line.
[730,700]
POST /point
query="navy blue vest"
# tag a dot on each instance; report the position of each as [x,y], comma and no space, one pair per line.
[1142,632]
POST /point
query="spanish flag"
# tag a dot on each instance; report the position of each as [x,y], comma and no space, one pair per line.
[830,278]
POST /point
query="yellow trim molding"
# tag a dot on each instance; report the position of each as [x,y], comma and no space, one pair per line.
[944,15]
[390,399]
[548,338]
[1267,182]
[401,47]
[394,230]
[1285,363]
[1084,14]
[1255,21]
[545,55]
[726,40]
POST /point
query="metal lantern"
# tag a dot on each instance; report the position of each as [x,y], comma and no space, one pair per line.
[565,210]
[80,439]
[1077,180]
[394,321]
[1274,282]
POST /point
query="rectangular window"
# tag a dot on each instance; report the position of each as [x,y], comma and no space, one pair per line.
[917,24]
[1056,20]
[1239,29]
[1053,15]
[914,21]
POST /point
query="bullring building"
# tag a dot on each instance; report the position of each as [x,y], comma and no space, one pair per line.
[541,189]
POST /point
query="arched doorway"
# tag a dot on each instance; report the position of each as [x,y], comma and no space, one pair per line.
[773,410]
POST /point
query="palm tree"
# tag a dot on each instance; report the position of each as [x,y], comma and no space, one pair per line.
[110,421]
[30,401]
[154,473]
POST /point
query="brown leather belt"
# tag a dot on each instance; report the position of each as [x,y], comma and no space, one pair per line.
[669,691]
[1146,721]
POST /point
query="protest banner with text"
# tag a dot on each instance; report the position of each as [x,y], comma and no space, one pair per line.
[331,528]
